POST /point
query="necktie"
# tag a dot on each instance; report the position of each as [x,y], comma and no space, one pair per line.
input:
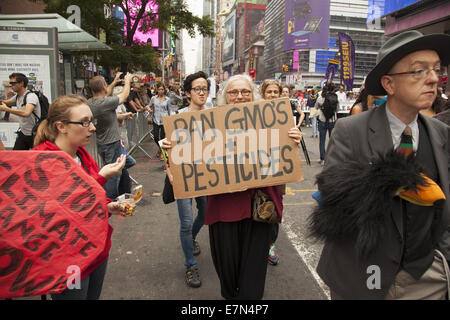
[425,195]
[406,144]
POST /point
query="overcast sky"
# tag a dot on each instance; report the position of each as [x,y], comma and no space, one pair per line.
[192,46]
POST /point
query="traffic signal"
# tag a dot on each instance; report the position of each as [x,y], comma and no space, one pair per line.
[251,72]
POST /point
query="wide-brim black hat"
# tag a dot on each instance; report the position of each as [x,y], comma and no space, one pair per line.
[400,46]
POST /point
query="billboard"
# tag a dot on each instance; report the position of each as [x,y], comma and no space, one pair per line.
[229,36]
[306,24]
[134,6]
[380,8]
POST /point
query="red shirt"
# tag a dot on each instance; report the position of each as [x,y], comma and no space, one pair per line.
[236,206]
[92,170]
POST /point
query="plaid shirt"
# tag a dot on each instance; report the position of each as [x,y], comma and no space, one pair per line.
[160,109]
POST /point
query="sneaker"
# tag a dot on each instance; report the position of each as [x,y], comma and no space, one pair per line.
[322,162]
[193,277]
[196,247]
[273,256]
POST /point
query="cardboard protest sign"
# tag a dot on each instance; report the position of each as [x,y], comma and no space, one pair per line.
[232,148]
[53,221]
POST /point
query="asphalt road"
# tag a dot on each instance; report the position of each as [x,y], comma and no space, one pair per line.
[146,260]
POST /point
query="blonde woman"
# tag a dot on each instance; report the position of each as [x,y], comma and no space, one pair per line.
[69,127]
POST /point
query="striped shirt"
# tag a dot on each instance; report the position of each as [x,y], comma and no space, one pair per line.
[160,109]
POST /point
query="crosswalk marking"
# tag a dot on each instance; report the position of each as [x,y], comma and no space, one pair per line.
[291,192]
[300,203]
[305,252]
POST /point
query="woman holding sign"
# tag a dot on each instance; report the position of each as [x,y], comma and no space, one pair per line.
[239,245]
[69,127]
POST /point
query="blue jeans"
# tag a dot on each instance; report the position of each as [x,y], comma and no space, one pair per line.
[109,153]
[315,132]
[90,287]
[130,162]
[189,230]
[323,128]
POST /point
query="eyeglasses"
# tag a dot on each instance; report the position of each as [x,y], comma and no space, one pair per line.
[419,74]
[12,83]
[197,90]
[243,92]
[84,123]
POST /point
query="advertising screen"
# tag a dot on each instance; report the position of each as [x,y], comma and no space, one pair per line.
[380,8]
[228,43]
[307,24]
[153,35]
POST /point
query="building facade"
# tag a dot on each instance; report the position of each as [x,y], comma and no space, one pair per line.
[349,17]
[248,15]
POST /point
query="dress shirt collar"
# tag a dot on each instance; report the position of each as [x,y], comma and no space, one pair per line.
[397,126]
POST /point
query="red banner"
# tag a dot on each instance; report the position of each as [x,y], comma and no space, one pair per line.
[53,220]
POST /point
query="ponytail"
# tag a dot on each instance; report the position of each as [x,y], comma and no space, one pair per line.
[43,133]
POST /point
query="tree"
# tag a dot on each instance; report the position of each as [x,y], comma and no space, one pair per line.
[128,53]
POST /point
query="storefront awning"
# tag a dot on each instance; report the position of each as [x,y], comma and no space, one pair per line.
[70,37]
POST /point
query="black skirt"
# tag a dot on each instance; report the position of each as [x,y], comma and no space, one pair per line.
[239,252]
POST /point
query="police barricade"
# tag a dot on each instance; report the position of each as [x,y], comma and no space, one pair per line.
[141,131]
[137,131]
[92,149]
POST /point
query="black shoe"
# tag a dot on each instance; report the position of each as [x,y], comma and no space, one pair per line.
[196,247]
[193,277]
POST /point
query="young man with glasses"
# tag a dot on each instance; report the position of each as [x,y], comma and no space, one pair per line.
[387,237]
[103,105]
[29,111]
[196,86]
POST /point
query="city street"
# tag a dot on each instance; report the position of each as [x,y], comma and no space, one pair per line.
[147,262]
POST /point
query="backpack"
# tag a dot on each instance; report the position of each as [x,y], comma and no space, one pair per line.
[43,103]
[329,106]
[311,101]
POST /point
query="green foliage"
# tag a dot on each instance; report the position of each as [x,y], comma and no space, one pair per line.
[137,57]
[125,50]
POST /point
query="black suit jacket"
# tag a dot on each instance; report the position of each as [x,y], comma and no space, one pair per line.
[363,137]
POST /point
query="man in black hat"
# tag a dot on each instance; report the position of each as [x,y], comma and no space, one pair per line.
[379,242]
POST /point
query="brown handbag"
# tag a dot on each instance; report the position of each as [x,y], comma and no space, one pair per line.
[263,208]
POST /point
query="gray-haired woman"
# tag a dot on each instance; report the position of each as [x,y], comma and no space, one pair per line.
[239,245]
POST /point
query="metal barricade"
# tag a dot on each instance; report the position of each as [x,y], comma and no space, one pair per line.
[141,131]
[92,149]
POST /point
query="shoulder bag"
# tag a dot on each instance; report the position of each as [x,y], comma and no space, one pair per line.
[263,208]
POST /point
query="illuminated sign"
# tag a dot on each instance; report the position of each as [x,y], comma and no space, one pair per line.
[134,6]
